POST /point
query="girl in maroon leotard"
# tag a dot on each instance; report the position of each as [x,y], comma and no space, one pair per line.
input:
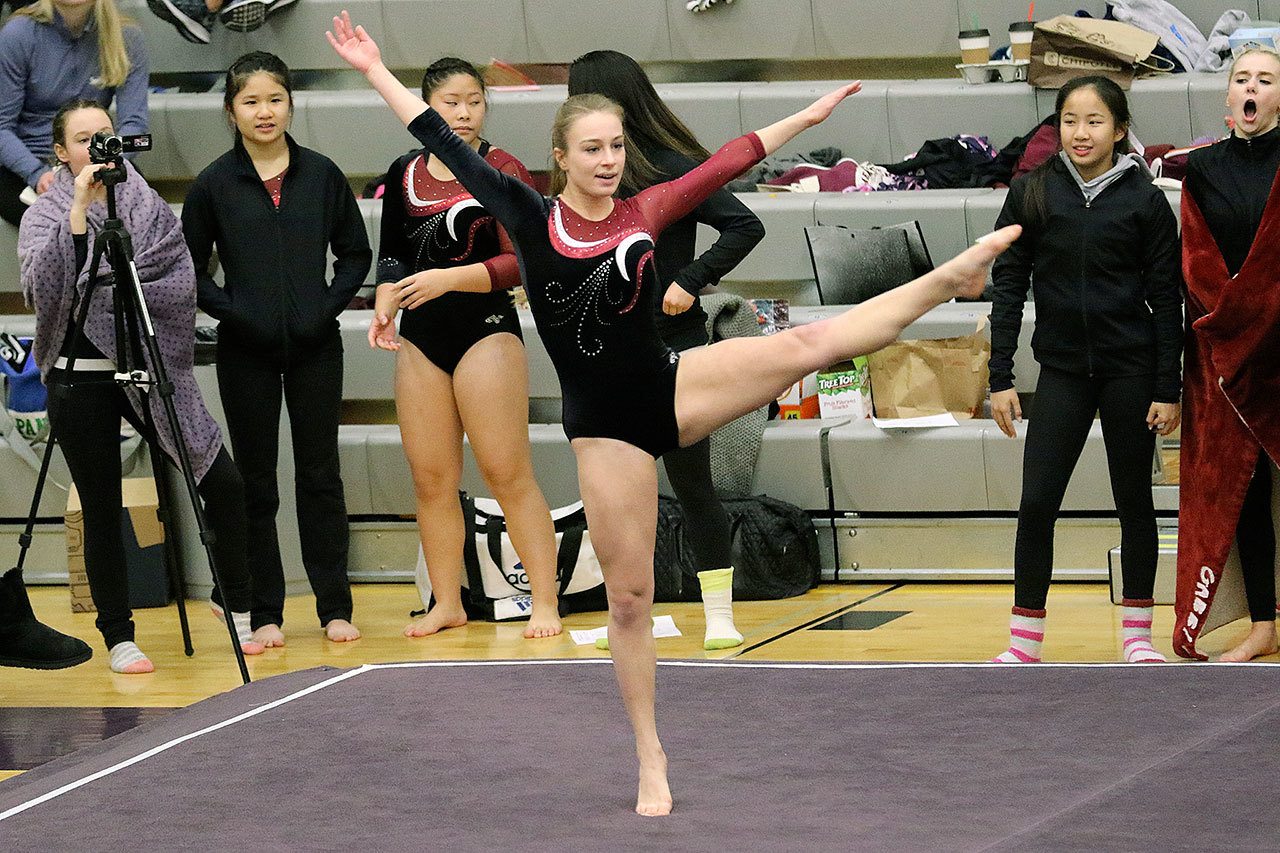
[460,364]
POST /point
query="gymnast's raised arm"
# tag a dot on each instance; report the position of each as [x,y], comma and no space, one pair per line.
[512,201]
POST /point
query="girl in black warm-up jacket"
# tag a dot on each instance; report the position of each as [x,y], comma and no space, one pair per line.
[1100,251]
[274,210]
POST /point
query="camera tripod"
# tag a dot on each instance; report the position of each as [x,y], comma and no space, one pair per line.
[134,331]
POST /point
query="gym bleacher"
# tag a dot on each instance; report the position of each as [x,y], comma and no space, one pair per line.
[901,499]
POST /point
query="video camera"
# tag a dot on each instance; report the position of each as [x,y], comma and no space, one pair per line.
[106,147]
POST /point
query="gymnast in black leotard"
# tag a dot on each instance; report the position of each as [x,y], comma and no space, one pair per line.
[585,259]
[590,284]
[428,223]
[460,365]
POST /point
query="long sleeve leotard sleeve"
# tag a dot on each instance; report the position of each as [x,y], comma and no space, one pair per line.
[671,201]
[515,204]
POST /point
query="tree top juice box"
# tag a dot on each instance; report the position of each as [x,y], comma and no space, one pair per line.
[844,390]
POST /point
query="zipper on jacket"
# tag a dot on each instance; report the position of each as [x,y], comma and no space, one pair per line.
[1084,303]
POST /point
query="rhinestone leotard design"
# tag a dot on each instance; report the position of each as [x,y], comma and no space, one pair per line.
[590,285]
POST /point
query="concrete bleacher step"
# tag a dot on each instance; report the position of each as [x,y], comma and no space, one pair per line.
[887,121]
[412,33]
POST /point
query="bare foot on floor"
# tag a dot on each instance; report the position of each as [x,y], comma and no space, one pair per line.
[654,798]
[436,620]
[269,637]
[545,622]
[341,631]
[1261,641]
[252,648]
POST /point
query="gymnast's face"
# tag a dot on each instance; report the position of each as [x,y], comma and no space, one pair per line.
[594,154]
[1253,93]
[73,148]
[460,101]
[262,109]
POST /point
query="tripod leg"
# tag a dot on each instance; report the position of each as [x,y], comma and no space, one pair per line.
[131,303]
[178,586]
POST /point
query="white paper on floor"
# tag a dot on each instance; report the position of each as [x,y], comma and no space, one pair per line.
[663,626]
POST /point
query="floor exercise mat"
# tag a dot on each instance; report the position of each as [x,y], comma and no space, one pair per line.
[537,755]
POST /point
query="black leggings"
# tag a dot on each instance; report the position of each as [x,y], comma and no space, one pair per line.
[252,385]
[689,470]
[1062,415]
[1256,538]
[87,422]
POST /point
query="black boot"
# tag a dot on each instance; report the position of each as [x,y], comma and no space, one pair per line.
[27,642]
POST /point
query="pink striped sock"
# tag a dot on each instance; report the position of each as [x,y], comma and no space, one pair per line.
[1026,635]
[1136,614]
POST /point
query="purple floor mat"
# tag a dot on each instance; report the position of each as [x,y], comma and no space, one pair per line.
[518,756]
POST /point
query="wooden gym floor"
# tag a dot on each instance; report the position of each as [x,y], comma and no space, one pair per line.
[47,714]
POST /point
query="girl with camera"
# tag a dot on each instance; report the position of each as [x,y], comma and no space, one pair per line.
[274,210]
[55,243]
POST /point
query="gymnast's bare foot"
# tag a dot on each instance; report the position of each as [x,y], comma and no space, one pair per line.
[437,619]
[341,631]
[654,798]
[1261,641]
[545,621]
[968,270]
[269,637]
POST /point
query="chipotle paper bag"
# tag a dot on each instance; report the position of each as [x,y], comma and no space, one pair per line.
[911,379]
[1066,47]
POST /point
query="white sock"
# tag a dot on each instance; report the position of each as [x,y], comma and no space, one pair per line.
[1135,620]
[244,633]
[127,658]
[717,605]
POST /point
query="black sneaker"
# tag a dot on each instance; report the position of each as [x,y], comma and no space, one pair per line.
[191,18]
[276,5]
[243,16]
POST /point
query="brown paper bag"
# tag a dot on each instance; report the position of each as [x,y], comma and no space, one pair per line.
[1066,47]
[911,379]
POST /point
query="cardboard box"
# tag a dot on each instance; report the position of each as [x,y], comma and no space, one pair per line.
[844,390]
[143,547]
[800,400]
[1246,37]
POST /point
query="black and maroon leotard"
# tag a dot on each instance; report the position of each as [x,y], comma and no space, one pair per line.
[433,224]
[590,285]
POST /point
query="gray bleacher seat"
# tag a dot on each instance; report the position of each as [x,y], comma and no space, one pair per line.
[871,28]
[1207,94]
[10,281]
[711,110]
[920,110]
[413,33]
[859,127]
[935,470]
[761,29]
[520,124]
[353,129]
[560,31]
[785,258]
